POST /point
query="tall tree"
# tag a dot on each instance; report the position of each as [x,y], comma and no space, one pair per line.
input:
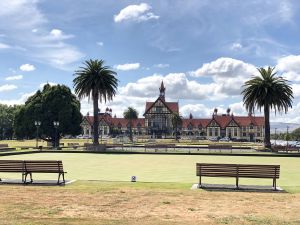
[130,114]
[267,91]
[7,115]
[176,123]
[96,81]
[53,103]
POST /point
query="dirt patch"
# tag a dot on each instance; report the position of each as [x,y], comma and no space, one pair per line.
[125,205]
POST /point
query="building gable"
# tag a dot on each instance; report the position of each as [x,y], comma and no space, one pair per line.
[160,106]
[213,123]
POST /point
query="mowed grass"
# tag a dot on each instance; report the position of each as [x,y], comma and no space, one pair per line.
[158,168]
[96,202]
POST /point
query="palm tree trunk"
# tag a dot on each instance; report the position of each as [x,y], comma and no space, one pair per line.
[267,127]
[96,119]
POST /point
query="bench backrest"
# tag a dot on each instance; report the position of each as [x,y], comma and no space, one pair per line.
[11,165]
[49,166]
[3,145]
[240,170]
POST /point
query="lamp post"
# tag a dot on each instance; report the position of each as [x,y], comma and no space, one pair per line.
[287,138]
[275,136]
[37,124]
[56,125]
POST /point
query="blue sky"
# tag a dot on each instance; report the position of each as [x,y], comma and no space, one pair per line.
[202,50]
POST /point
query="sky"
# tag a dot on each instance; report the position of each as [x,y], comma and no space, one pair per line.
[203,50]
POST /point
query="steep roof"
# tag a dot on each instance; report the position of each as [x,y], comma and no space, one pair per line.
[195,122]
[248,120]
[172,106]
[116,121]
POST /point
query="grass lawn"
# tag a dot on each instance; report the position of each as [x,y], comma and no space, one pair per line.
[162,195]
[112,203]
[159,168]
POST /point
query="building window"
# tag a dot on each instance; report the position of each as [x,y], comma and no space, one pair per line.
[210,132]
[235,132]
[244,134]
[258,134]
[216,132]
[159,109]
[244,128]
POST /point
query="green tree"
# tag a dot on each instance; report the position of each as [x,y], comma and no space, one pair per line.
[267,91]
[7,115]
[96,81]
[296,134]
[176,123]
[130,114]
[53,103]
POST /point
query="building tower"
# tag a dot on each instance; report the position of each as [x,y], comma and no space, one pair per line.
[162,90]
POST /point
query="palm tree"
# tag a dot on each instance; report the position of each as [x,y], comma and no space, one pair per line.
[176,121]
[269,92]
[96,81]
[130,114]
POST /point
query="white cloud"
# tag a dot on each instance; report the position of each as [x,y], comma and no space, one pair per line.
[128,66]
[59,35]
[8,87]
[289,63]
[4,46]
[236,46]
[99,43]
[225,67]
[18,101]
[161,65]
[27,67]
[16,77]
[136,13]
[289,66]
[32,36]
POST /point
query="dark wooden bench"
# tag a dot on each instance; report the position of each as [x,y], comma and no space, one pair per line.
[219,147]
[279,148]
[238,171]
[73,145]
[28,167]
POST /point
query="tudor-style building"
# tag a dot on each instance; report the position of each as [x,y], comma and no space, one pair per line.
[158,115]
[158,123]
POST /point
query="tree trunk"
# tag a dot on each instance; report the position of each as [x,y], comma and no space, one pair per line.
[96,119]
[267,127]
[130,130]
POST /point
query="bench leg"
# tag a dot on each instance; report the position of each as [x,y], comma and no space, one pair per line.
[237,183]
[58,178]
[274,184]
[200,182]
[31,178]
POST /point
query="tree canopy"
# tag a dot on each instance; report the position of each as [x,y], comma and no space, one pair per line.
[96,81]
[7,115]
[53,103]
[130,114]
[267,91]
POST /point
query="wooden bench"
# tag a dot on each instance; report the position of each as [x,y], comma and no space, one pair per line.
[279,148]
[27,167]
[3,145]
[220,147]
[238,171]
[73,145]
